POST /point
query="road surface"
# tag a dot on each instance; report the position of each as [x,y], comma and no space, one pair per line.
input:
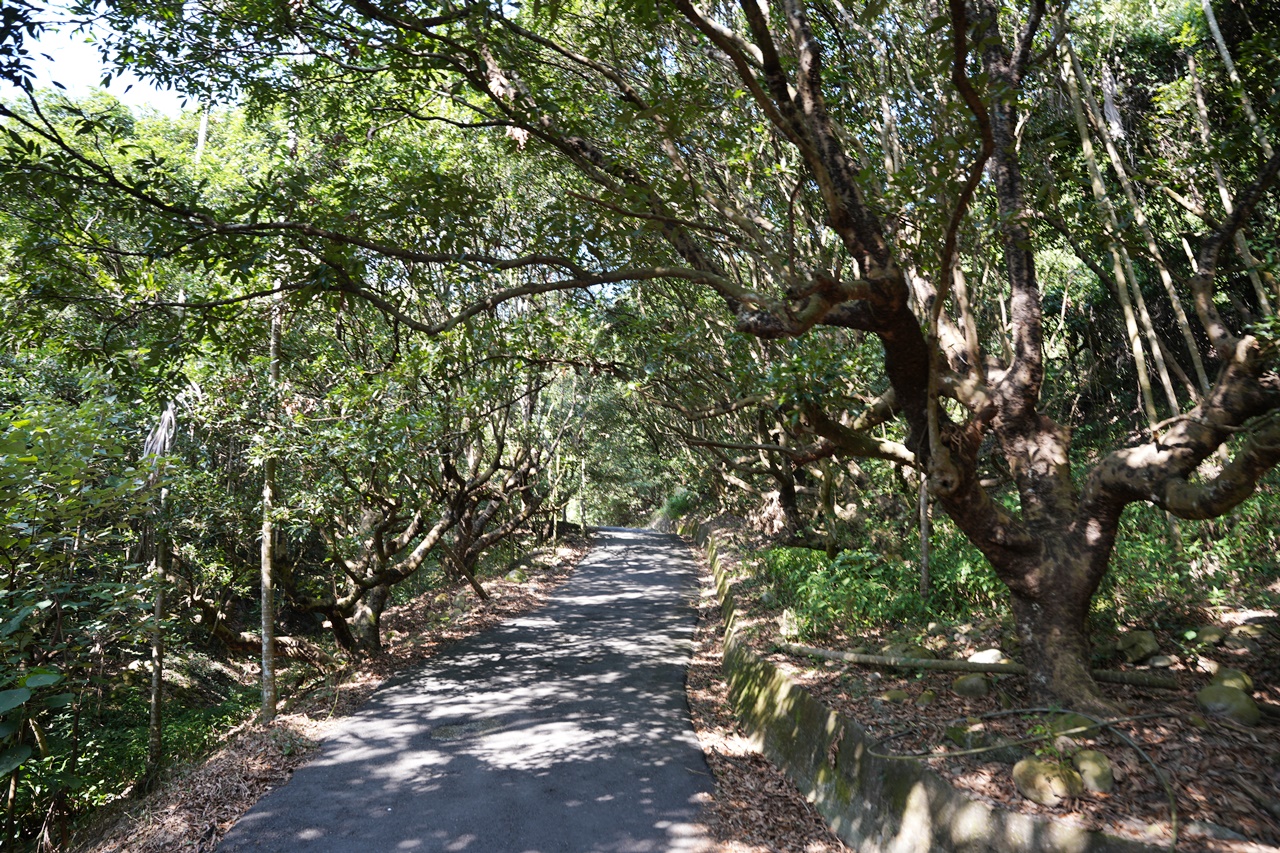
[566,729]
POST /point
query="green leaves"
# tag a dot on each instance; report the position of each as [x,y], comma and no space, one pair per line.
[41,679]
[15,621]
[1267,330]
[59,469]
[10,699]
[12,758]
[68,497]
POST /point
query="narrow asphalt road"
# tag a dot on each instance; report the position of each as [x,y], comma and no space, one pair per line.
[563,730]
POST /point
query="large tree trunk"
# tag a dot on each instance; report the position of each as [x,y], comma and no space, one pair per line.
[788,503]
[366,623]
[341,630]
[466,568]
[1050,593]
[1055,642]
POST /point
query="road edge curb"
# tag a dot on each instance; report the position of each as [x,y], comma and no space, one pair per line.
[875,805]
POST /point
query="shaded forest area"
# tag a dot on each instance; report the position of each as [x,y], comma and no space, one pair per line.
[968,309]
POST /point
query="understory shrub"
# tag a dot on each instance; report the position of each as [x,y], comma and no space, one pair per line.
[1227,562]
[95,759]
[678,504]
[864,589]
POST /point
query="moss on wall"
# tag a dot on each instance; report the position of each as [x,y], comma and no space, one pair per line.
[874,804]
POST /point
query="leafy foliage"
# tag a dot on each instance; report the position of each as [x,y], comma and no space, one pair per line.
[624,258]
[864,589]
[70,592]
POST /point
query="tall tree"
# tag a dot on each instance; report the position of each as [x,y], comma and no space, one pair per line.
[808,164]
[267,575]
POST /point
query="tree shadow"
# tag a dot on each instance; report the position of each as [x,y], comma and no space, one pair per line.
[563,730]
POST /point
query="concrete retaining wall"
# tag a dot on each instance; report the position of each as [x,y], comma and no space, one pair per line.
[874,804]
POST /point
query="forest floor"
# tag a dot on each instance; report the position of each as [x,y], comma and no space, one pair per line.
[755,809]
[1224,778]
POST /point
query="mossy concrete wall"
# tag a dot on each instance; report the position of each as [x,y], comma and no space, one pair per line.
[874,804]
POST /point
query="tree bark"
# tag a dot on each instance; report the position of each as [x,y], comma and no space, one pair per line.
[787,500]
[926,532]
[1056,647]
[11,803]
[366,623]
[582,497]
[268,539]
[470,574]
[342,630]
[463,557]
[155,723]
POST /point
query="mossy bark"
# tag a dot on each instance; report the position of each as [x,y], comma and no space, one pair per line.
[365,624]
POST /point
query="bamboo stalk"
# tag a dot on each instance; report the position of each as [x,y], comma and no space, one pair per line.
[1071,74]
[1241,244]
[155,723]
[1212,20]
[1140,217]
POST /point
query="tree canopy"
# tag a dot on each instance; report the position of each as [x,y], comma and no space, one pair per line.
[1020,254]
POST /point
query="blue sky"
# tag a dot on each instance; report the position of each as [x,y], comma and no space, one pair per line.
[77,65]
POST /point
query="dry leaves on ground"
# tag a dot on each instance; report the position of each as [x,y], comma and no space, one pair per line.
[195,806]
[756,808]
[1225,778]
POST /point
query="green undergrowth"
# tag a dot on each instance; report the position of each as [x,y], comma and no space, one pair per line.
[189,732]
[678,504]
[427,579]
[862,589]
[95,750]
[1229,562]
[1153,580]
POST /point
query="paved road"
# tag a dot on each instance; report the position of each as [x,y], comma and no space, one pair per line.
[564,730]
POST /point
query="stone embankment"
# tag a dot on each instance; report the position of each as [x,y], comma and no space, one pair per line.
[873,803]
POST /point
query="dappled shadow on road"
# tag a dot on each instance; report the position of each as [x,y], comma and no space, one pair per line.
[564,730]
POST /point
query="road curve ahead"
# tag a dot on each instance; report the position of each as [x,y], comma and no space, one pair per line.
[563,730]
